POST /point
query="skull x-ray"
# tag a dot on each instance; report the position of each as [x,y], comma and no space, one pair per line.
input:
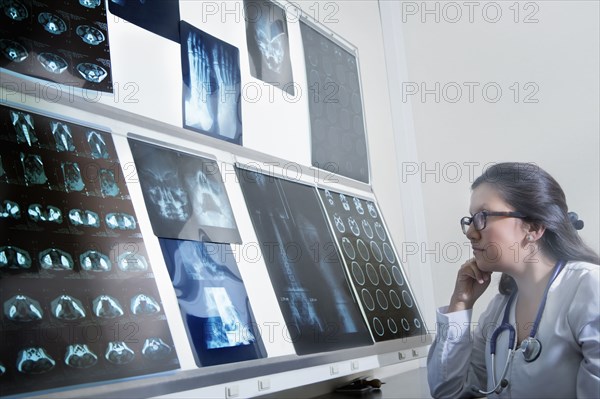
[303,264]
[211,85]
[213,301]
[268,44]
[338,136]
[184,194]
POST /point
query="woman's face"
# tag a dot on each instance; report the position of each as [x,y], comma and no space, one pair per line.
[500,246]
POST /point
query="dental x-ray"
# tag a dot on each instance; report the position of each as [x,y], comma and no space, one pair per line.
[66,43]
[184,194]
[306,271]
[78,299]
[268,44]
[157,16]
[213,302]
[377,276]
[338,136]
[211,85]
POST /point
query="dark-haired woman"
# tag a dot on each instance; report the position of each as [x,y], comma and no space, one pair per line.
[540,336]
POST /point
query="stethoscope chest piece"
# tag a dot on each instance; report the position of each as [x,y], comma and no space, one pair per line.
[531,347]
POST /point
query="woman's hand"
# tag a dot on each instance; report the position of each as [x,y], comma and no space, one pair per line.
[471,282]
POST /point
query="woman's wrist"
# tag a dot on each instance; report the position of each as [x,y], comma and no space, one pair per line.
[458,305]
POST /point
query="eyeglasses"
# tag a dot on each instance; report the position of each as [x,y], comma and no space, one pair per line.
[480,218]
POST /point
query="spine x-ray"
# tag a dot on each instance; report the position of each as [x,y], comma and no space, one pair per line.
[338,137]
[377,275]
[65,43]
[184,194]
[77,293]
[213,302]
[211,85]
[303,264]
[158,16]
[268,44]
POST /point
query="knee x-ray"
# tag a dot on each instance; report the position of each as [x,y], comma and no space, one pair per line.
[305,270]
[213,302]
[268,44]
[184,194]
[377,276]
[211,85]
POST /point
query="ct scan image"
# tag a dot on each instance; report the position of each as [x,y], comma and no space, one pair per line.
[184,194]
[157,16]
[64,43]
[213,302]
[338,137]
[78,297]
[305,269]
[268,44]
[211,85]
[377,275]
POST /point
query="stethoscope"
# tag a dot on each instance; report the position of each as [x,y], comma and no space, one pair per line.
[531,347]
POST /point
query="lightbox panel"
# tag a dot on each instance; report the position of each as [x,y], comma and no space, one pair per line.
[338,137]
[303,264]
[376,272]
[78,295]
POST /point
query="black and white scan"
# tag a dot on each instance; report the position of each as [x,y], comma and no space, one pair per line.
[303,264]
[377,277]
[157,16]
[213,301]
[211,85]
[338,136]
[268,44]
[184,194]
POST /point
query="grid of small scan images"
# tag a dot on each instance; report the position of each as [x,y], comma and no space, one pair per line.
[78,297]
[375,270]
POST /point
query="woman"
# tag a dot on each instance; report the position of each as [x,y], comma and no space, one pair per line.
[520,227]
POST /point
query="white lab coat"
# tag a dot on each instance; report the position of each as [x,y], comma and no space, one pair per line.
[569,331]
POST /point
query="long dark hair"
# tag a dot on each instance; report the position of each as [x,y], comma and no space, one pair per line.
[531,190]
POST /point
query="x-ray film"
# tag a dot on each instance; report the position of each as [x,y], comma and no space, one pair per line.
[157,16]
[338,137]
[77,292]
[213,302]
[304,266]
[66,43]
[268,44]
[211,85]
[184,194]
[377,276]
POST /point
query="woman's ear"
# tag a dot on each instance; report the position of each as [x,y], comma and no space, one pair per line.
[533,231]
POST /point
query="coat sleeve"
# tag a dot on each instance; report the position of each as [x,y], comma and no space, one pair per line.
[584,319]
[456,360]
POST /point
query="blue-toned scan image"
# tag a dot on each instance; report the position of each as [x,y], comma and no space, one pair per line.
[213,302]
[211,85]
[304,266]
[184,194]
[268,44]
[157,16]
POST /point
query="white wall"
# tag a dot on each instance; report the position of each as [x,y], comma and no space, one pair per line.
[550,49]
